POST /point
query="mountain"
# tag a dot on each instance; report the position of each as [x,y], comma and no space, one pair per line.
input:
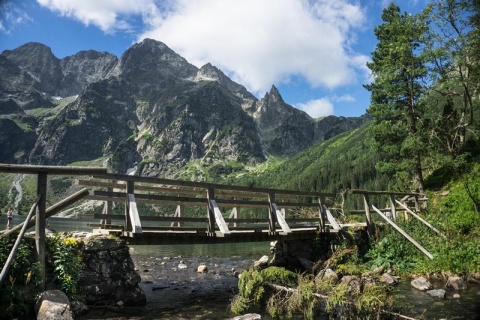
[150,107]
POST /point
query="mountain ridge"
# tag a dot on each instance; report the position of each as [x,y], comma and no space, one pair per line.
[150,106]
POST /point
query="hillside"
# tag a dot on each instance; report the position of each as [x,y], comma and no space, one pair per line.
[346,161]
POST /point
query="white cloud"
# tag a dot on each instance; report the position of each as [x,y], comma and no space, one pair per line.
[11,17]
[317,108]
[260,43]
[344,98]
[108,15]
[257,43]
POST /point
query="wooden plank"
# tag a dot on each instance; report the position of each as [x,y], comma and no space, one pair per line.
[204,185]
[176,190]
[219,218]
[173,200]
[403,233]
[133,212]
[140,196]
[59,170]
[368,218]
[422,220]
[281,219]
[178,213]
[332,220]
[358,191]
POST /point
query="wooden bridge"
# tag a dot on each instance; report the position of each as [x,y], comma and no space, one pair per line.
[231,213]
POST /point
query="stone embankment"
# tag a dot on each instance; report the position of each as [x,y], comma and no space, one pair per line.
[109,278]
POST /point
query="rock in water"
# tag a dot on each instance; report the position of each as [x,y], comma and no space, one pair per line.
[421,284]
[437,293]
[202,269]
[456,283]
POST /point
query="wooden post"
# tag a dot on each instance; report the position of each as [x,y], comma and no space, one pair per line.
[322,214]
[272,215]
[130,190]
[210,212]
[368,219]
[40,223]
[178,213]
[107,209]
[417,205]
[234,214]
[393,209]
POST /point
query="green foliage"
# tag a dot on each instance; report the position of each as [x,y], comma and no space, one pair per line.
[18,293]
[459,255]
[280,276]
[68,263]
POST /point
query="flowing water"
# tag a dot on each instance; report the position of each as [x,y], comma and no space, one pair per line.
[175,290]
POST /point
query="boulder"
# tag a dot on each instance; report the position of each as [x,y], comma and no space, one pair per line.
[421,284]
[327,275]
[388,279]
[248,316]
[378,270]
[353,282]
[53,304]
[457,283]
[437,293]
[262,263]
[202,269]
[79,308]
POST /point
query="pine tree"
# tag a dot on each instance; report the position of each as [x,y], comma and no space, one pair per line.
[399,73]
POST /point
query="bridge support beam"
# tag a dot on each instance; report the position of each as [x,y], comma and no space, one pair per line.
[130,190]
[272,215]
[368,219]
[210,212]
[40,223]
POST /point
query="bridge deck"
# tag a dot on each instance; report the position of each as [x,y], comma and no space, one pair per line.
[157,237]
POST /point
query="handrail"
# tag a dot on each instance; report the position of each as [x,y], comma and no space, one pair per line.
[10,258]
[403,233]
[205,185]
[60,170]
[396,193]
[422,220]
[57,207]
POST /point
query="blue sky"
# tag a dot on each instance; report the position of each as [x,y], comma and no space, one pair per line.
[313,51]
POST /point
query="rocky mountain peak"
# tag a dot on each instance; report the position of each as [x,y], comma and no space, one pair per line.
[209,72]
[83,68]
[151,107]
[153,57]
[274,96]
[39,62]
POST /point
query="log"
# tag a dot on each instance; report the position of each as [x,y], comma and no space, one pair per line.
[10,258]
[324,297]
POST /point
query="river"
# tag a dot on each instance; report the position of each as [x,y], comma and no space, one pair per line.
[182,293]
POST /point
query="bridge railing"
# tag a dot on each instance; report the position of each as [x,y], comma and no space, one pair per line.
[222,202]
[409,204]
[42,212]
